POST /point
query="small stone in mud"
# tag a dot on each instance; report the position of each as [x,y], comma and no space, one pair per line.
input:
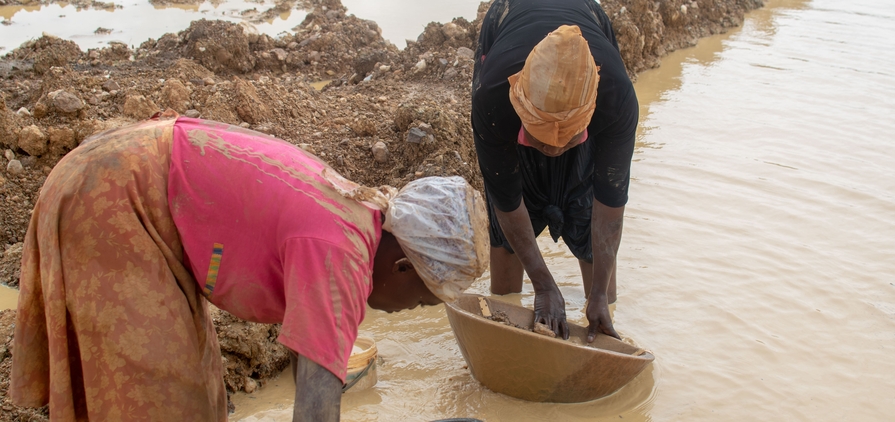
[209,81]
[102,31]
[465,53]
[380,152]
[139,107]
[23,112]
[450,74]
[33,140]
[415,135]
[192,113]
[250,385]
[110,85]
[543,330]
[9,155]
[15,167]
[65,101]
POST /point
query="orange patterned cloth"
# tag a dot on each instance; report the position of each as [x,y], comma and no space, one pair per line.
[111,325]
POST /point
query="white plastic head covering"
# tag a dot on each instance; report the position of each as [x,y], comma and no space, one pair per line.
[442,225]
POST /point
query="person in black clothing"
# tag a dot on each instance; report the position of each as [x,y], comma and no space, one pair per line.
[554,117]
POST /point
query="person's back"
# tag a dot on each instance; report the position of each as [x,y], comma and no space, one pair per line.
[269,239]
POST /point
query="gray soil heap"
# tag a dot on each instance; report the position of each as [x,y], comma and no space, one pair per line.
[385,116]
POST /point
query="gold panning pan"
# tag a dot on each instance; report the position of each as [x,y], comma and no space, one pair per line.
[534,367]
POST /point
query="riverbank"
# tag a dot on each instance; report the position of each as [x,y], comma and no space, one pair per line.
[55,95]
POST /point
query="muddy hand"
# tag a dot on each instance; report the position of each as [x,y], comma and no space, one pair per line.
[599,319]
[550,310]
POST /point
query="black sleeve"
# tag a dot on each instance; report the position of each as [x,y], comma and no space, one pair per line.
[603,21]
[614,148]
[496,151]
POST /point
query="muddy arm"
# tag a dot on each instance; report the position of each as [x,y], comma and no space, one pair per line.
[318,393]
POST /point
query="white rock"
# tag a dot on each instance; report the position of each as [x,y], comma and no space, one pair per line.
[15,167]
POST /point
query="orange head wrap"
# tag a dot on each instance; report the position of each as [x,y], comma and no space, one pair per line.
[555,93]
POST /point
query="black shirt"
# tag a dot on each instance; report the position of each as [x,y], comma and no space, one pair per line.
[510,30]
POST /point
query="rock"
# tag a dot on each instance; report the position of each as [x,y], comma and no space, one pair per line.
[419,66]
[280,53]
[40,110]
[192,113]
[450,74]
[416,135]
[9,155]
[28,161]
[23,112]
[139,107]
[452,30]
[2,181]
[208,81]
[110,85]
[15,167]
[380,152]
[65,102]
[250,385]
[249,106]
[62,139]
[465,53]
[176,95]
[32,140]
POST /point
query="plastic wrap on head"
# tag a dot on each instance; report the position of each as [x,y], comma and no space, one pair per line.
[442,226]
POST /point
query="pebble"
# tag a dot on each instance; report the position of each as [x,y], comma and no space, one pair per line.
[419,66]
[192,113]
[23,112]
[110,85]
[209,81]
[380,152]
[9,155]
[15,167]
[65,101]
[415,135]
[465,53]
[244,125]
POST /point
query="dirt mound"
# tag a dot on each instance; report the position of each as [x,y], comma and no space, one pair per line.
[413,105]
[9,412]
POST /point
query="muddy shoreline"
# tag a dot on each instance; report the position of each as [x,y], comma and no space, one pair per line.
[411,104]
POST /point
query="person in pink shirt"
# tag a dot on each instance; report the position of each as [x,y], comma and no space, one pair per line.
[136,226]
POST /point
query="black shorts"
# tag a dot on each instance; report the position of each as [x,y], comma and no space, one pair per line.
[558,193]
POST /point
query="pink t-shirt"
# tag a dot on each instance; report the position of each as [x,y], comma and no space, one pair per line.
[270,240]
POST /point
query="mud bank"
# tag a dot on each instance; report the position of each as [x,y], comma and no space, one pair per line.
[410,106]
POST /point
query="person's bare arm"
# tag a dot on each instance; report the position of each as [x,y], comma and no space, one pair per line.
[318,392]
[550,307]
[606,234]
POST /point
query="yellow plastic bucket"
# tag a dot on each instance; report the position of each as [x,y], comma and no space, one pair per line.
[362,366]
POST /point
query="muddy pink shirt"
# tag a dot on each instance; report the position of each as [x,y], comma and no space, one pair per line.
[269,239]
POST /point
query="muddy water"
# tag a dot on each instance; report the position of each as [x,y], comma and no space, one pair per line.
[134,22]
[758,256]
[137,20]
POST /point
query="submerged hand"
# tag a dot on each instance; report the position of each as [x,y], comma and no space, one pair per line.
[550,310]
[598,318]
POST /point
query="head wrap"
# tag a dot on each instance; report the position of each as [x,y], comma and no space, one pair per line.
[441,224]
[555,93]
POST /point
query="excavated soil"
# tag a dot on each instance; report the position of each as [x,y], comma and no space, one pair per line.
[384,116]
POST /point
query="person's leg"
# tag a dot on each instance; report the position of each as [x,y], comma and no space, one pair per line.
[506,272]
